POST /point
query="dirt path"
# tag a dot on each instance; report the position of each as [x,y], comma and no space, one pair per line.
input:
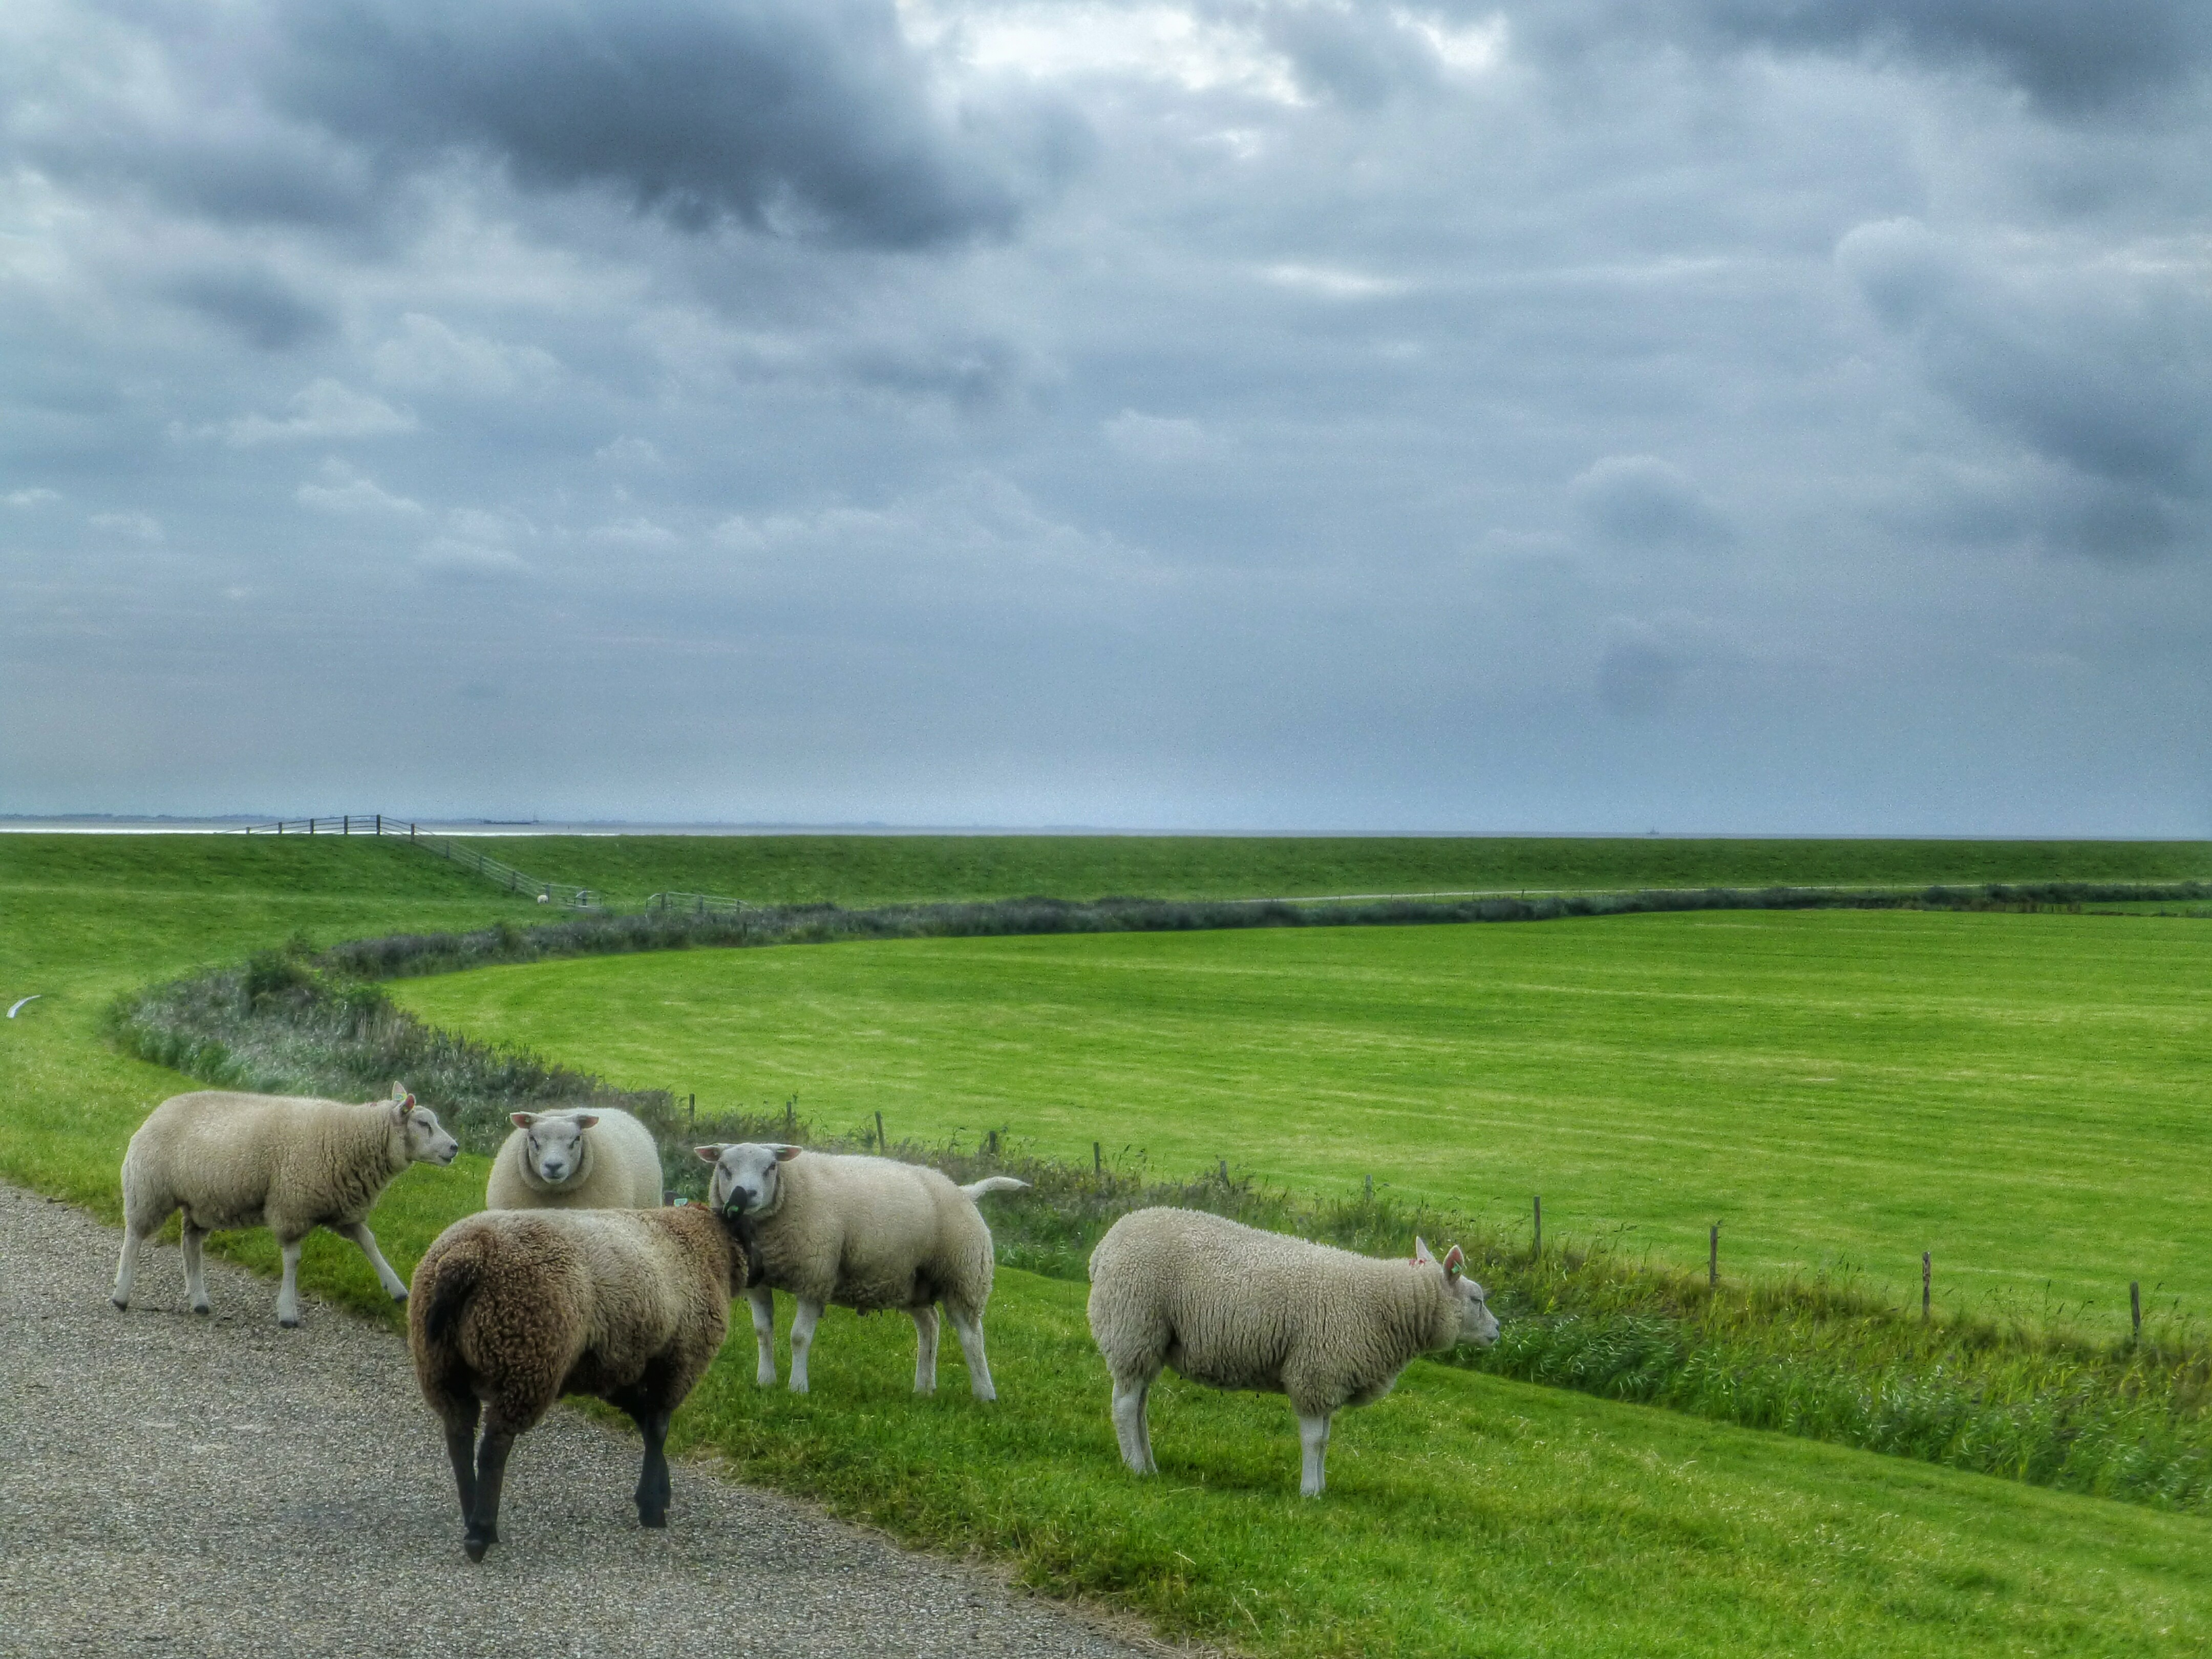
[178,1486]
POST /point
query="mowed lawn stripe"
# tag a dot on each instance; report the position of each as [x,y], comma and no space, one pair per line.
[2021,1095]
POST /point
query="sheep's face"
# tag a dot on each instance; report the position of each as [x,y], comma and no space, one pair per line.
[1477,1324]
[426,1139]
[748,1178]
[553,1145]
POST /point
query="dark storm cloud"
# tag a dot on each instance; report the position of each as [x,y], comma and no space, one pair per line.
[2101,366]
[811,118]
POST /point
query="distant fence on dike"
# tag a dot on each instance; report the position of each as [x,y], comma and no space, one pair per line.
[562,895]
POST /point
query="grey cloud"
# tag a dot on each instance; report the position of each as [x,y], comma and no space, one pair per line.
[2073,59]
[253,305]
[1359,56]
[811,118]
[2102,367]
[1643,501]
[1638,677]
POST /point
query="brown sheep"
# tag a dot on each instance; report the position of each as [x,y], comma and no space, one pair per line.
[512,1309]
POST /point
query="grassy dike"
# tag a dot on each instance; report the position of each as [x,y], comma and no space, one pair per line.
[871,869]
[1468,1514]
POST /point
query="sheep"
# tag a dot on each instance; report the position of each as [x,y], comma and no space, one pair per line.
[284,1161]
[597,1160]
[866,1233]
[1232,1307]
[513,1309]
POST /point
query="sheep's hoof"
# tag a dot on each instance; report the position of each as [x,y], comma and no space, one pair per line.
[657,1519]
[122,1302]
[206,1309]
[399,1295]
[474,1547]
[291,1324]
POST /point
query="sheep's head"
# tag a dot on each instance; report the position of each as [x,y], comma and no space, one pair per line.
[1477,1324]
[426,1139]
[553,1143]
[748,1178]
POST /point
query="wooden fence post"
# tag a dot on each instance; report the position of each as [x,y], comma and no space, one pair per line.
[1713,1260]
[880,1132]
[2135,1306]
[1927,1283]
[1538,1248]
[1098,1159]
[1370,1189]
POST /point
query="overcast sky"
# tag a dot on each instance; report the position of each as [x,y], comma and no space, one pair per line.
[1765,416]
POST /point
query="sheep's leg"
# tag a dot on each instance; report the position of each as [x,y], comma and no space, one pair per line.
[764,1301]
[924,1350]
[802,1339]
[195,1269]
[1313,1440]
[491,1475]
[970,1329]
[394,1287]
[653,1478]
[461,1452]
[126,1270]
[287,1293]
[1130,1427]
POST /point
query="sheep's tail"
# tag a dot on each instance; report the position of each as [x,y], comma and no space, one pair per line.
[460,1271]
[975,1189]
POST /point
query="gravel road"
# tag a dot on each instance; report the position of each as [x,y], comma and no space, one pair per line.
[173,1484]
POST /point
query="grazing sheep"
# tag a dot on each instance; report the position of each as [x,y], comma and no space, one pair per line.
[513,1309]
[1236,1308]
[597,1160]
[282,1162]
[866,1233]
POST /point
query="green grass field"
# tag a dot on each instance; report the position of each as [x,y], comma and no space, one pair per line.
[1467,1514]
[2021,1095]
[865,870]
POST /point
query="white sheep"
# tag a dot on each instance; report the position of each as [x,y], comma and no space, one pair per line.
[284,1161]
[513,1309]
[1235,1308]
[866,1233]
[602,1159]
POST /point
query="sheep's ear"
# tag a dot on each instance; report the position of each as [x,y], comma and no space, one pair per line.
[707,1154]
[1421,1252]
[1454,1262]
[586,1120]
[522,1120]
[785,1154]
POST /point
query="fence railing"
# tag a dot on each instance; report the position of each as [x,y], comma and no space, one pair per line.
[357,824]
[698,904]
[565,895]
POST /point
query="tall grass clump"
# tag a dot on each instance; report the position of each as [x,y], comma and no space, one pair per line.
[1814,1358]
